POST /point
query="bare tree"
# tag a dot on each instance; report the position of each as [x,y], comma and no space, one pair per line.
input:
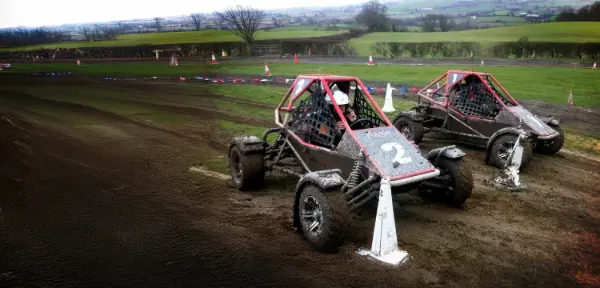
[374,15]
[158,23]
[242,22]
[197,19]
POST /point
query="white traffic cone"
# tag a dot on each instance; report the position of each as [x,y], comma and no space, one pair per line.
[482,63]
[78,62]
[223,55]
[371,60]
[214,60]
[594,66]
[385,242]
[388,105]
[267,72]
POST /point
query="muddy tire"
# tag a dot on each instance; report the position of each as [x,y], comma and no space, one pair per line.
[247,171]
[501,149]
[550,147]
[411,129]
[460,184]
[327,213]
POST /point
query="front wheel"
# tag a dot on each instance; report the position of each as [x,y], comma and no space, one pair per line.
[324,217]
[551,146]
[502,147]
[411,129]
[247,170]
[455,182]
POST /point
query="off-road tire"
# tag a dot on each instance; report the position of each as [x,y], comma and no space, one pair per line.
[461,183]
[555,146]
[416,128]
[503,139]
[335,218]
[252,172]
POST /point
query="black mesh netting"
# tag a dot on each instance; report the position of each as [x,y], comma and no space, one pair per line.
[314,122]
[363,109]
[474,100]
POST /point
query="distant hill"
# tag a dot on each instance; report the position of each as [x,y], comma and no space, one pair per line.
[578,32]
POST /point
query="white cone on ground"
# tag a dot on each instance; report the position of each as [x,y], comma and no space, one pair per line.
[385,242]
[173,61]
[594,66]
[570,99]
[482,63]
[388,105]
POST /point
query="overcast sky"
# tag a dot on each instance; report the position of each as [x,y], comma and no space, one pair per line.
[37,12]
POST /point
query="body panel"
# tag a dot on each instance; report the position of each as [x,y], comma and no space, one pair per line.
[390,151]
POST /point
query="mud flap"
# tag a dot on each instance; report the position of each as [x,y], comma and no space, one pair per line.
[385,241]
[325,179]
[450,152]
[248,144]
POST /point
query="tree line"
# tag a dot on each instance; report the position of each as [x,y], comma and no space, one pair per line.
[22,37]
[584,14]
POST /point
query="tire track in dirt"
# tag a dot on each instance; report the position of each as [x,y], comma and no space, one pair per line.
[203,113]
[139,234]
[174,88]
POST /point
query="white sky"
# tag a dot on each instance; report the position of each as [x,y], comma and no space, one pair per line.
[38,13]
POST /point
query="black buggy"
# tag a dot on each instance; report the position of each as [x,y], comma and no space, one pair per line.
[339,171]
[475,109]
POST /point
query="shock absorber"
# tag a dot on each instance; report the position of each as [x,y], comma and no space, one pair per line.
[355,174]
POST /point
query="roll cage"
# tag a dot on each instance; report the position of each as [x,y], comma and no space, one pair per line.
[483,89]
[312,122]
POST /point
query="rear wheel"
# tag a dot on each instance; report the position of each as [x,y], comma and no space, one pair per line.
[502,147]
[411,129]
[551,146]
[247,171]
[324,217]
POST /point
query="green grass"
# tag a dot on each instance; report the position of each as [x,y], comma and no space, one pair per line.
[547,32]
[505,19]
[584,143]
[549,84]
[204,36]
[242,109]
[266,94]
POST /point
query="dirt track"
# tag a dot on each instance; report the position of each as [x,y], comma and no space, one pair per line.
[110,202]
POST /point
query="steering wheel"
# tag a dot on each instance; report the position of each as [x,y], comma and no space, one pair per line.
[361,120]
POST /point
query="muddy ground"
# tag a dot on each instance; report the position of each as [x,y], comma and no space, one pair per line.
[96,197]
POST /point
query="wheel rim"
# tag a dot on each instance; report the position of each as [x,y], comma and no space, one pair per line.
[312,216]
[505,149]
[236,166]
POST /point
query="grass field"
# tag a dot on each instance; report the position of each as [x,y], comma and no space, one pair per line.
[547,32]
[550,84]
[204,36]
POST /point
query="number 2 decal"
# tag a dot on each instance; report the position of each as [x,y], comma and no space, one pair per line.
[398,157]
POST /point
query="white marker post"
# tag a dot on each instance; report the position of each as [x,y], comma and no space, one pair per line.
[388,105]
[385,242]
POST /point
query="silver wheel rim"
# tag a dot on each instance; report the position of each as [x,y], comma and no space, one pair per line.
[505,149]
[312,216]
